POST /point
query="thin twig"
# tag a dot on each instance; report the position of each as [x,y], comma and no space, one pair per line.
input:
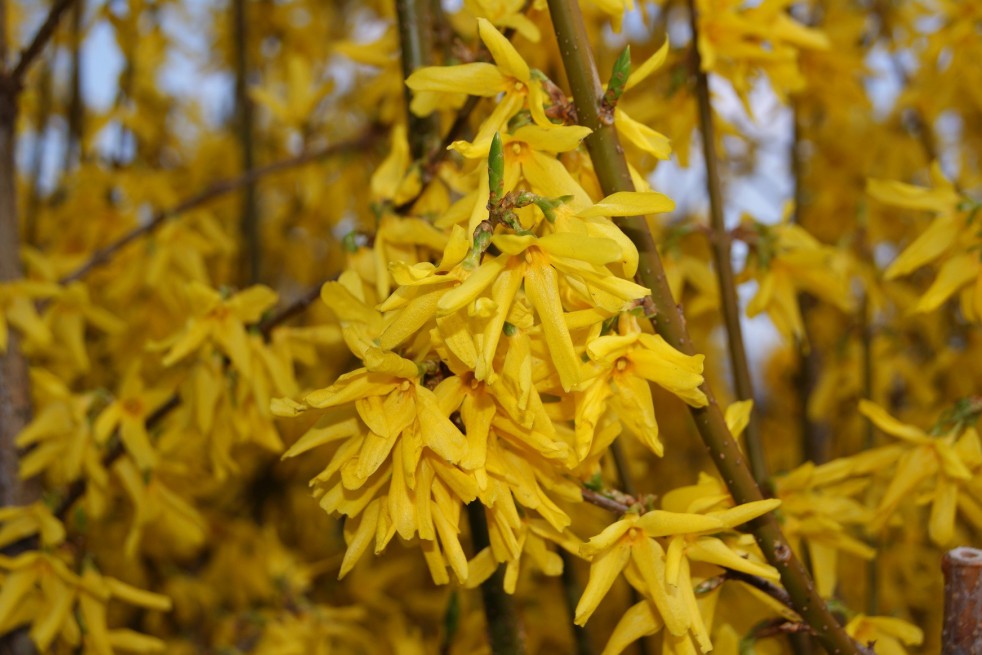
[415,24]
[600,500]
[723,259]
[216,190]
[768,587]
[40,40]
[251,264]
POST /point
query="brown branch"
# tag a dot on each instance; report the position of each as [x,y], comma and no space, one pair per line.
[768,587]
[103,256]
[723,259]
[15,391]
[962,628]
[606,502]
[614,175]
[40,40]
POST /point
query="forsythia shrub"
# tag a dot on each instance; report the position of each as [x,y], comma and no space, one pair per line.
[397,276]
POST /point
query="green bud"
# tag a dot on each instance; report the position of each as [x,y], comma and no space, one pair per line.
[618,78]
[496,169]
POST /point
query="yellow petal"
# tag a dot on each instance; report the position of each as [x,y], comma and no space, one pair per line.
[649,558]
[890,425]
[931,244]
[714,551]
[138,597]
[740,514]
[360,538]
[659,523]
[551,139]
[131,641]
[389,363]
[630,203]
[597,251]
[542,289]
[640,620]
[738,416]
[941,525]
[502,51]
[604,571]
[478,281]
[642,136]
[476,79]
[650,65]
[952,276]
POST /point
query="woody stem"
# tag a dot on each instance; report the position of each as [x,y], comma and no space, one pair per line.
[614,175]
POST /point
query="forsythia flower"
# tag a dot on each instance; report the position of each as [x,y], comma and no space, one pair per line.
[628,361]
[889,635]
[41,585]
[509,75]
[661,574]
[736,39]
[952,239]
[786,260]
[952,459]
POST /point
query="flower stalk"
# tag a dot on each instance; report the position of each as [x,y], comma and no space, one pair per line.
[614,175]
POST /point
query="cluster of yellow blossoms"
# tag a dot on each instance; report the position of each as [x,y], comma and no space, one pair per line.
[479,381]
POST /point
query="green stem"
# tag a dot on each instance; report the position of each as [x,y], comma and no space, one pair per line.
[723,260]
[612,171]
[504,625]
[416,42]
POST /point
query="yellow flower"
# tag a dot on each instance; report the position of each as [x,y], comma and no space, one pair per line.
[17,309]
[159,509]
[952,460]
[41,590]
[302,93]
[221,320]
[628,361]
[663,575]
[787,260]
[509,75]
[67,317]
[17,523]
[530,155]
[505,13]
[60,437]
[886,634]
[736,40]
[129,412]
[950,239]
[818,507]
